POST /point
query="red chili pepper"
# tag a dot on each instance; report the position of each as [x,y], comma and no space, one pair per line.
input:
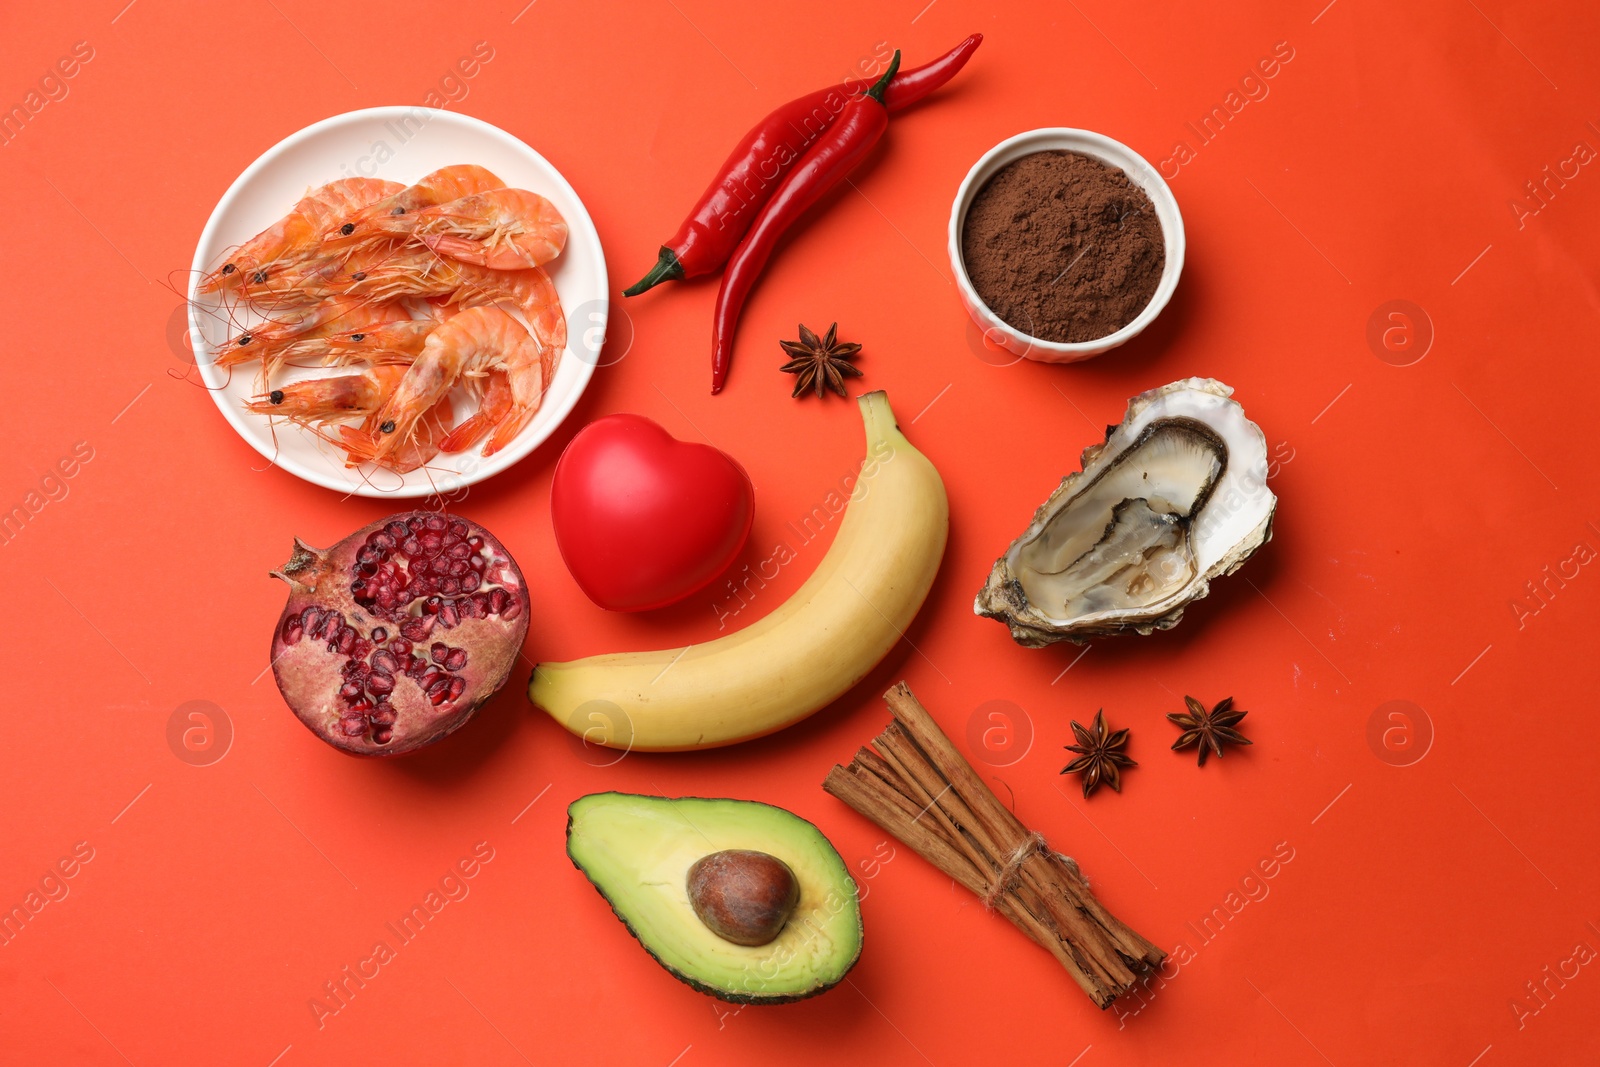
[759,162]
[826,163]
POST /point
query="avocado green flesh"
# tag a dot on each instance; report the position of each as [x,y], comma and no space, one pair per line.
[637,851]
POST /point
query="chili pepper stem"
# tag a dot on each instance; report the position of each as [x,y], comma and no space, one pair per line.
[667,269]
[882,84]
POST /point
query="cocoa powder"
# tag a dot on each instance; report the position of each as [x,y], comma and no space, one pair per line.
[1063,247]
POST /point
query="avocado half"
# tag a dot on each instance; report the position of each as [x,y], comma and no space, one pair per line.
[637,851]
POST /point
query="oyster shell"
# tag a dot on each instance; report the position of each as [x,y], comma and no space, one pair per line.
[1176,496]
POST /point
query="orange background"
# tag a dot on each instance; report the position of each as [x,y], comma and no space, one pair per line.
[1416,502]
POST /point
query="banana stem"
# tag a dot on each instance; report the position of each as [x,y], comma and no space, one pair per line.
[878,415]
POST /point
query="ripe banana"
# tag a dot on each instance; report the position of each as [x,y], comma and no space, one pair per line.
[801,656]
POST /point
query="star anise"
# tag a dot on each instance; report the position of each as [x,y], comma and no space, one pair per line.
[820,364]
[1100,755]
[1209,729]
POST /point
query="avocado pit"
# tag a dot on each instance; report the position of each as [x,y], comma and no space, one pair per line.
[742,895]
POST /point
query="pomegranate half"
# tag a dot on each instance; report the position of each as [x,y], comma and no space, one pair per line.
[395,636]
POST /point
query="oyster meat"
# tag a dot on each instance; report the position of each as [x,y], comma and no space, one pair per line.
[1175,496]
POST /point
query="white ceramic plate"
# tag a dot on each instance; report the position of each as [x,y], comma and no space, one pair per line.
[400,144]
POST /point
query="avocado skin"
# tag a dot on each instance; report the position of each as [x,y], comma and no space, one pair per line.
[689,980]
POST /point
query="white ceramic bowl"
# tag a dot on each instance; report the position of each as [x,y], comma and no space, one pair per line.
[1100,147]
[401,144]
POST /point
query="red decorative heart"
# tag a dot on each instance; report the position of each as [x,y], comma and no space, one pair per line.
[643,519]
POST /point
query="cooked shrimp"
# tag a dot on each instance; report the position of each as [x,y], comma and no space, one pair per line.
[320,400]
[383,273]
[507,229]
[320,277]
[471,345]
[395,341]
[531,291]
[394,214]
[276,340]
[297,234]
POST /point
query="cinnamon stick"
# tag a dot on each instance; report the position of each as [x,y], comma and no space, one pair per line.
[915,785]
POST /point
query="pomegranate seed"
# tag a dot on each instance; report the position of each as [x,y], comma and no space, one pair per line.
[411,547]
[512,610]
[430,677]
[379,635]
[431,542]
[353,726]
[361,648]
[438,692]
[477,563]
[386,600]
[432,605]
[381,541]
[414,523]
[368,555]
[440,566]
[480,604]
[381,683]
[447,614]
[309,619]
[460,528]
[470,581]
[437,523]
[344,640]
[361,705]
[458,568]
[417,628]
[381,735]
[400,647]
[458,686]
[385,661]
[449,586]
[350,690]
[423,586]
[358,587]
[396,530]
[498,600]
[384,714]
[459,551]
[328,628]
[455,660]
[292,630]
[476,542]
[439,651]
[416,667]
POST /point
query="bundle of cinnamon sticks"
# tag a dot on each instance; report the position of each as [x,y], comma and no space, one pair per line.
[917,787]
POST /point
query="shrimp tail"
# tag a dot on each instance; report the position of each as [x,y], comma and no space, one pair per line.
[526,385]
[492,408]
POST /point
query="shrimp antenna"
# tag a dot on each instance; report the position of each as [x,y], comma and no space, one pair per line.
[272,460]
